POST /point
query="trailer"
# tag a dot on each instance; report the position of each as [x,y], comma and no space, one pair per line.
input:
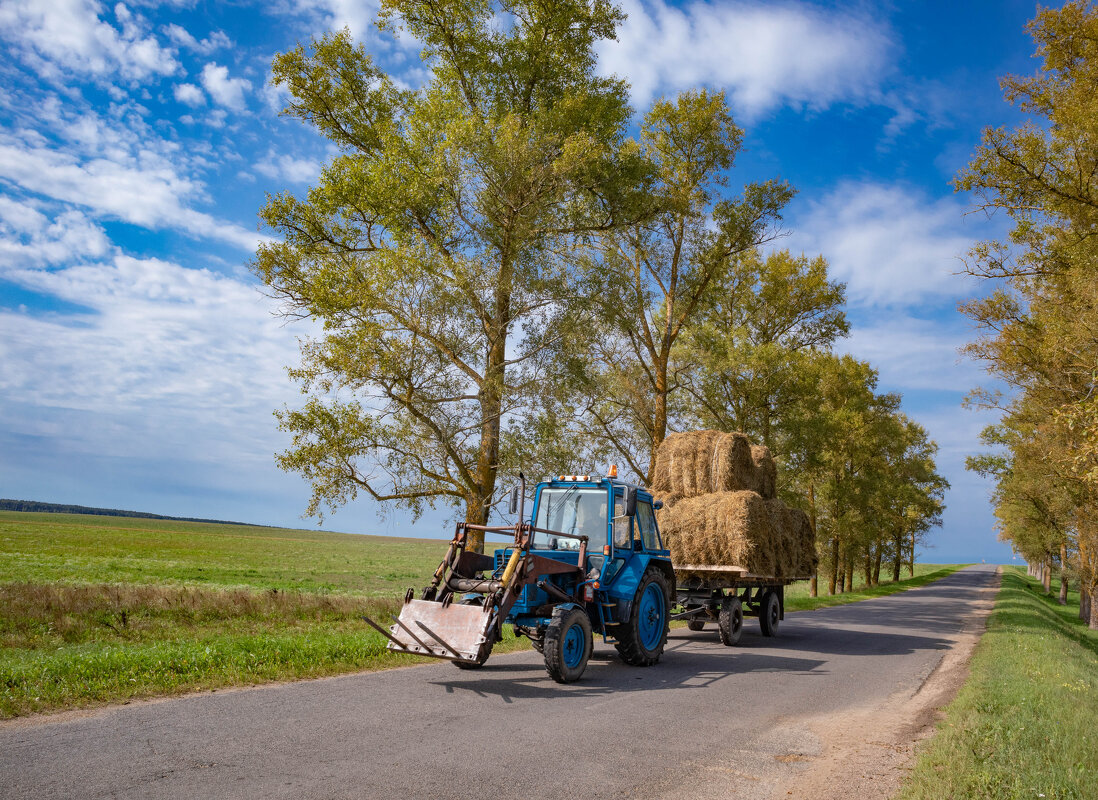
[724,595]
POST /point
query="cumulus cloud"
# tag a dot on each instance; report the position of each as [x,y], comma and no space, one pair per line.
[296,170]
[189,94]
[763,55]
[73,35]
[889,243]
[215,41]
[29,237]
[224,90]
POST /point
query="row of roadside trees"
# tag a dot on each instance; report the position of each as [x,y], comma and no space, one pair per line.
[1039,320]
[508,280]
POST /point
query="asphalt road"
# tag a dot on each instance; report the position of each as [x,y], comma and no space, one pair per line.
[707,720]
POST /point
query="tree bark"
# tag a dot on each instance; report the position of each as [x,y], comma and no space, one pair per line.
[877,564]
[867,567]
[1093,608]
[848,586]
[813,587]
[833,578]
[911,561]
[1063,575]
[1046,574]
[897,558]
[1084,603]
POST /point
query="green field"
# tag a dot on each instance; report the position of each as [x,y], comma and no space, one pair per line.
[1026,722]
[97,609]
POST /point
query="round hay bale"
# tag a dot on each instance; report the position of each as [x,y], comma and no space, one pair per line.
[694,463]
[766,471]
[726,528]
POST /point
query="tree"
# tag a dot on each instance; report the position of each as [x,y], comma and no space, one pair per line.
[430,249]
[651,283]
[1040,327]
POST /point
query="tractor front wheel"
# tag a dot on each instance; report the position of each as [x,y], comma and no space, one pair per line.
[567,644]
[643,635]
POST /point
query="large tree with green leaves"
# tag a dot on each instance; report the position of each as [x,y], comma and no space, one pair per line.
[430,249]
[1039,327]
[652,282]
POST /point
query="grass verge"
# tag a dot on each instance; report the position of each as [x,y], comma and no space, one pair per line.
[1025,724]
[798,599]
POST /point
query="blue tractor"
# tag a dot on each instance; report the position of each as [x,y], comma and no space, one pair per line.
[588,561]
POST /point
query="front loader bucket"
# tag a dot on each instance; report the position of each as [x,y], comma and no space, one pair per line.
[452,631]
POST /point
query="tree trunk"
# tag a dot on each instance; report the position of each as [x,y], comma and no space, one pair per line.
[911,560]
[877,564]
[897,558]
[1093,608]
[491,408]
[1084,603]
[1046,574]
[1063,575]
[849,568]
[813,587]
[867,567]
[833,578]
[659,421]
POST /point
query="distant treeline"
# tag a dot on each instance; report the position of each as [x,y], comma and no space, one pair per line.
[59,508]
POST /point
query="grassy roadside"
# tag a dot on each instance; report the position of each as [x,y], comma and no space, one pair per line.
[107,609]
[797,597]
[1026,722]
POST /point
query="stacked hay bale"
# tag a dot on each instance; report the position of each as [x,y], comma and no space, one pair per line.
[720,506]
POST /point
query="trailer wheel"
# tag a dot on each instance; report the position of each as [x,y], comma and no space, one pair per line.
[730,621]
[696,624]
[642,637]
[770,612]
[567,644]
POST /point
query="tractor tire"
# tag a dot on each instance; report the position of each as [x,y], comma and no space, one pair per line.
[730,622]
[484,657]
[695,624]
[567,645]
[770,612]
[642,637]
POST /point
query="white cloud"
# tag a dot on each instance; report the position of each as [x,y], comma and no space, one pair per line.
[29,237]
[196,353]
[890,244]
[358,15]
[189,94]
[913,353]
[144,189]
[296,170]
[215,41]
[224,90]
[71,35]
[763,55]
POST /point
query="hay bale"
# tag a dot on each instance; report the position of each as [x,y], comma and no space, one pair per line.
[766,471]
[740,529]
[718,529]
[694,463]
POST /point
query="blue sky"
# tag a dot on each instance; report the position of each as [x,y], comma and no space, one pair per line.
[140,363]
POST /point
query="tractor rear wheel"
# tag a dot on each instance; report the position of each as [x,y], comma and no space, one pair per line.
[730,622]
[770,612]
[567,644]
[643,635]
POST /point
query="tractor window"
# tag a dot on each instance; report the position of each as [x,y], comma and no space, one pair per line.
[623,525]
[581,512]
[646,521]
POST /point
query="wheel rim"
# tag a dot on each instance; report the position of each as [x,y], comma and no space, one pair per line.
[573,646]
[650,616]
[773,614]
